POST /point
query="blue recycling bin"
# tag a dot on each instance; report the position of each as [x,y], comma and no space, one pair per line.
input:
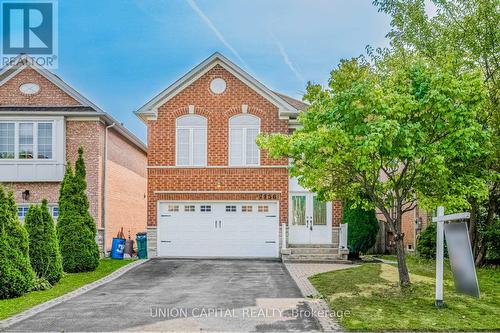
[117,248]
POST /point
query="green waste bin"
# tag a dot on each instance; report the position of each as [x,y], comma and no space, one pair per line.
[142,245]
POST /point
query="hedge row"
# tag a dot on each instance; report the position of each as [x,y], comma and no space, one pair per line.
[33,256]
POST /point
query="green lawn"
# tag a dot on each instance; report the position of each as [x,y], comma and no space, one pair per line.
[69,282]
[370,299]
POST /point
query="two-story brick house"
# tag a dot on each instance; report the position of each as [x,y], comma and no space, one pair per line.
[211,191]
[43,121]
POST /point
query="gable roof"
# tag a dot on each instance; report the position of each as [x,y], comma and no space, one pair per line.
[24,61]
[287,106]
[298,104]
[86,107]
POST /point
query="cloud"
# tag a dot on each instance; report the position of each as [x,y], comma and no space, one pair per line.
[287,60]
[217,33]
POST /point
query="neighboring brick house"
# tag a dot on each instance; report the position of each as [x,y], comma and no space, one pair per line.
[211,191]
[412,224]
[43,121]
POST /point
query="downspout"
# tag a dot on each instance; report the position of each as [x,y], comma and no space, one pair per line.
[105,188]
[415,216]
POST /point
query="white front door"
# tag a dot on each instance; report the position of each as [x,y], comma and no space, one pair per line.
[218,229]
[310,220]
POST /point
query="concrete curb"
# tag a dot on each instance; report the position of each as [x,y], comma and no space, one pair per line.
[317,305]
[77,292]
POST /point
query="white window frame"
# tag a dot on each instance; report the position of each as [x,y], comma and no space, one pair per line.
[27,205]
[191,129]
[244,138]
[35,140]
[24,207]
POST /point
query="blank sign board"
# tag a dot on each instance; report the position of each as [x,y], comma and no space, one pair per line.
[462,262]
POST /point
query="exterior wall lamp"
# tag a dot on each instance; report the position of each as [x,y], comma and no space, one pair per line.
[26,195]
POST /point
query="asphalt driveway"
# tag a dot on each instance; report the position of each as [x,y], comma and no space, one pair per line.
[185,295]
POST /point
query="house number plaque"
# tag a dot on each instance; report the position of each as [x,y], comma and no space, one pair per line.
[268,196]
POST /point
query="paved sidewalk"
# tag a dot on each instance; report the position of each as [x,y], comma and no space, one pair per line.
[300,272]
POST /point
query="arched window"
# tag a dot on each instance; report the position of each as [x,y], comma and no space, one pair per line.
[243,130]
[191,141]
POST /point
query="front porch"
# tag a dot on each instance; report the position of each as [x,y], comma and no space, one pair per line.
[335,251]
[314,232]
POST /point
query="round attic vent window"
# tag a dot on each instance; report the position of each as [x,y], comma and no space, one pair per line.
[218,86]
[29,88]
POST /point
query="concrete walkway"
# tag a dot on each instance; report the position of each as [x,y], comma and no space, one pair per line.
[300,272]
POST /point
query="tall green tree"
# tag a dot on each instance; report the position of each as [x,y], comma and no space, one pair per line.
[467,31]
[81,200]
[16,274]
[386,131]
[76,229]
[44,251]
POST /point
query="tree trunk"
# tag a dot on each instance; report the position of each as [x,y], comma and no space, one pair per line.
[404,276]
[473,227]
[480,256]
[393,217]
[482,246]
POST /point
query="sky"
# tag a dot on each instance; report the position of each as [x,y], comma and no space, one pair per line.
[121,53]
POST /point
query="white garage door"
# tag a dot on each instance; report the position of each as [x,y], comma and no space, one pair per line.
[218,229]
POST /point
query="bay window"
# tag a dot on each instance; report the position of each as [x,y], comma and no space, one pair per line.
[7,141]
[44,140]
[26,140]
[243,131]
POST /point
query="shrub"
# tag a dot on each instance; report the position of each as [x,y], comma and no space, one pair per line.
[16,274]
[426,243]
[362,229]
[493,241]
[79,249]
[76,229]
[44,249]
[41,284]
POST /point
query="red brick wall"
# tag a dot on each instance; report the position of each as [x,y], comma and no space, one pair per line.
[217,179]
[126,154]
[408,225]
[38,191]
[89,135]
[126,188]
[408,228]
[337,212]
[217,109]
[49,93]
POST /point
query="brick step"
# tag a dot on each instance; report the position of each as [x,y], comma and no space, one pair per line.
[314,250]
[311,246]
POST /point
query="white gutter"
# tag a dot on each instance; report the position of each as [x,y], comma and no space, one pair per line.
[105,187]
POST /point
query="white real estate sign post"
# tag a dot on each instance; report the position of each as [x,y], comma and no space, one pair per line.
[460,262]
[439,256]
